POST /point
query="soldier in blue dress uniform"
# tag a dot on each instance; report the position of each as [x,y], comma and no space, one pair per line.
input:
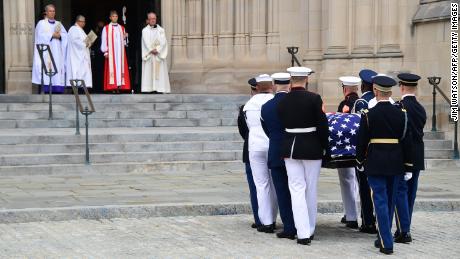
[367,209]
[275,132]
[407,189]
[244,131]
[384,153]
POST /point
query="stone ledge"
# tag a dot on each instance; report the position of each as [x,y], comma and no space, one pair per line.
[172,210]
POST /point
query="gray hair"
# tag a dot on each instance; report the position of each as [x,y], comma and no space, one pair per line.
[149,13]
[80,18]
[48,6]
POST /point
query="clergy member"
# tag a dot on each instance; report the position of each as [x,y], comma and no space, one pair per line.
[155,76]
[50,32]
[113,42]
[78,55]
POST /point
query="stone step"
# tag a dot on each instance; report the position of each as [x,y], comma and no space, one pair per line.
[118,135]
[101,107]
[123,168]
[129,98]
[120,147]
[433,149]
[437,135]
[438,144]
[439,154]
[122,123]
[109,157]
[106,115]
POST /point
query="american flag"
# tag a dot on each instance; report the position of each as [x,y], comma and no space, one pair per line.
[343,132]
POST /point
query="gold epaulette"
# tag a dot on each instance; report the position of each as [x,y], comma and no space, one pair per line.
[365,111]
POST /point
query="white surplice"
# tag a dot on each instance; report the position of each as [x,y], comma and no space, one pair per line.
[154,67]
[43,35]
[78,57]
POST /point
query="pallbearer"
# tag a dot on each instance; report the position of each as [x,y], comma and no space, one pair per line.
[78,54]
[258,155]
[244,132]
[116,72]
[51,32]
[361,105]
[384,152]
[407,189]
[275,132]
[303,147]
[346,169]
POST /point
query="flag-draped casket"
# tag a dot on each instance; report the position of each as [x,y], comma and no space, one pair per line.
[343,132]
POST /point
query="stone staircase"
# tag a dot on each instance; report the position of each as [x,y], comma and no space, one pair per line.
[135,134]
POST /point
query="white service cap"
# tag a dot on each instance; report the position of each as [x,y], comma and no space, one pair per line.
[264,78]
[281,77]
[299,71]
[350,80]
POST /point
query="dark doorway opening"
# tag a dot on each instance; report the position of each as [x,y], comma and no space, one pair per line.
[2,51]
[98,11]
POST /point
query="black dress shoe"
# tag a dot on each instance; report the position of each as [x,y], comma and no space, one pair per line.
[312,237]
[404,238]
[352,224]
[304,241]
[397,233]
[370,229]
[254,225]
[344,219]
[387,251]
[266,229]
[285,235]
[377,243]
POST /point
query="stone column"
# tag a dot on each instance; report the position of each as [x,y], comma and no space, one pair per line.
[178,40]
[258,32]
[225,44]
[19,37]
[194,32]
[209,43]
[389,28]
[337,29]
[273,35]
[241,22]
[314,48]
[363,28]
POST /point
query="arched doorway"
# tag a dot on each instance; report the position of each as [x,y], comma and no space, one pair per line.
[98,11]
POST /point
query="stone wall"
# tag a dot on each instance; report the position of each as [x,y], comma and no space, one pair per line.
[216,45]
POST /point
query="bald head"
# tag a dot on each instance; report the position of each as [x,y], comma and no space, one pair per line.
[151,18]
[50,11]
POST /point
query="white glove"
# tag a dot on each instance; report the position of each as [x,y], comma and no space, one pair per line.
[407,176]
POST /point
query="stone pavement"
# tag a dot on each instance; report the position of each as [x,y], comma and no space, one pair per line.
[49,191]
[20,193]
[435,236]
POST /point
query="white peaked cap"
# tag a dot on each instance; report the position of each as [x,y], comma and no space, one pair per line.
[350,80]
[281,76]
[299,71]
[264,78]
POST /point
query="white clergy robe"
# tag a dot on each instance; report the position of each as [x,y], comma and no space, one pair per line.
[78,57]
[43,35]
[116,70]
[154,67]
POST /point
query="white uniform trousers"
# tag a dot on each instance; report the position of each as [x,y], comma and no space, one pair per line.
[349,190]
[266,196]
[303,183]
